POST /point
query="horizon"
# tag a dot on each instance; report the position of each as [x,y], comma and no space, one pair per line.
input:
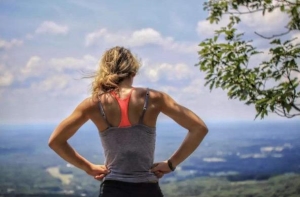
[170,121]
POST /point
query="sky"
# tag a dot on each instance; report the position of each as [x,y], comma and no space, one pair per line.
[48,47]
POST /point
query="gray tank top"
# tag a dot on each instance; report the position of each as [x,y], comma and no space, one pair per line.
[129,151]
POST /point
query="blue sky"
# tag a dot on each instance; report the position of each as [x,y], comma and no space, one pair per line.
[47,46]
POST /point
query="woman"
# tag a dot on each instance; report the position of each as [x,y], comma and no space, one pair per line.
[126,118]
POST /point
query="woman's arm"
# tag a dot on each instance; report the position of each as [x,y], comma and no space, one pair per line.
[66,129]
[187,119]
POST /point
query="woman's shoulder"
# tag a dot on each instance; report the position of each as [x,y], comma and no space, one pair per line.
[153,94]
[88,103]
[156,96]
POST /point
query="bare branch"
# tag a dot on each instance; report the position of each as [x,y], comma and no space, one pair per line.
[279,114]
[253,11]
[276,108]
[276,35]
[282,3]
[284,112]
[295,107]
[296,70]
[291,3]
[293,115]
[240,13]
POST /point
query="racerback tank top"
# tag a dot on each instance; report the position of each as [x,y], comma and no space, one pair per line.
[129,150]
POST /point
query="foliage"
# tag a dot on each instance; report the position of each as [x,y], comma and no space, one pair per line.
[283,185]
[227,58]
[29,180]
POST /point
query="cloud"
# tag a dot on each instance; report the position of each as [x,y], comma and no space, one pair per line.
[40,79]
[54,82]
[138,38]
[38,67]
[134,39]
[33,67]
[9,44]
[88,62]
[6,77]
[147,36]
[166,72]
[57,75]
[91,38]
[50,27]
[29,36]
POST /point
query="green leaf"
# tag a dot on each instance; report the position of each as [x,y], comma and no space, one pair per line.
[261,101]
[212,85]
[275,41]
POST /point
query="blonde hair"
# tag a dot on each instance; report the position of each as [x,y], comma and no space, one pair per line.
[116,65]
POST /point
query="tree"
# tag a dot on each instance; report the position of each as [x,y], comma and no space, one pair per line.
[227,58]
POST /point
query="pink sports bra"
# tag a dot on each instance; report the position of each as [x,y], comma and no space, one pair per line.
[123,104]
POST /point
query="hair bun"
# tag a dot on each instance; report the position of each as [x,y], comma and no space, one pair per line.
[113,78]
[116,65]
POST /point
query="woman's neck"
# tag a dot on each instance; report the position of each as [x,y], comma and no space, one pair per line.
[125,84]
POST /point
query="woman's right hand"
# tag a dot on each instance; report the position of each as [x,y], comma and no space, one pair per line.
[97,171]
[160,169]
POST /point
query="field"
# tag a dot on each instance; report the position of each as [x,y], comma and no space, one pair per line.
[64,178]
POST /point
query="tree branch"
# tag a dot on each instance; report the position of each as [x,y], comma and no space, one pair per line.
[291,3]
[240,13]
[284,3]
[295,107]
[276,108]
[291,116]
[296,70]
[276,35]
[279,114]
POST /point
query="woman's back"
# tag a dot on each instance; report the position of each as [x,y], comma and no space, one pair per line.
[129,138]
[113,111]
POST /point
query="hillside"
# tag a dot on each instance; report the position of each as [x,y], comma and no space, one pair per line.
[287,185]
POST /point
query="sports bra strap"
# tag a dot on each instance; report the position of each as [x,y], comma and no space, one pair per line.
[103,113]
[145,106]
[142,116]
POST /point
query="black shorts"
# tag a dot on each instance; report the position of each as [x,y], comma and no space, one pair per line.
[112,188]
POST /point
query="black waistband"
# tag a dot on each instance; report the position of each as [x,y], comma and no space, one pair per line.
[129,183]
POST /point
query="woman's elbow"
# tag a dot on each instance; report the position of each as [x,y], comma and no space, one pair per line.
[199,129]
[205,129]
[53,144]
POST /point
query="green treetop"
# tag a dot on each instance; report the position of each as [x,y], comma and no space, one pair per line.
[227,58]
